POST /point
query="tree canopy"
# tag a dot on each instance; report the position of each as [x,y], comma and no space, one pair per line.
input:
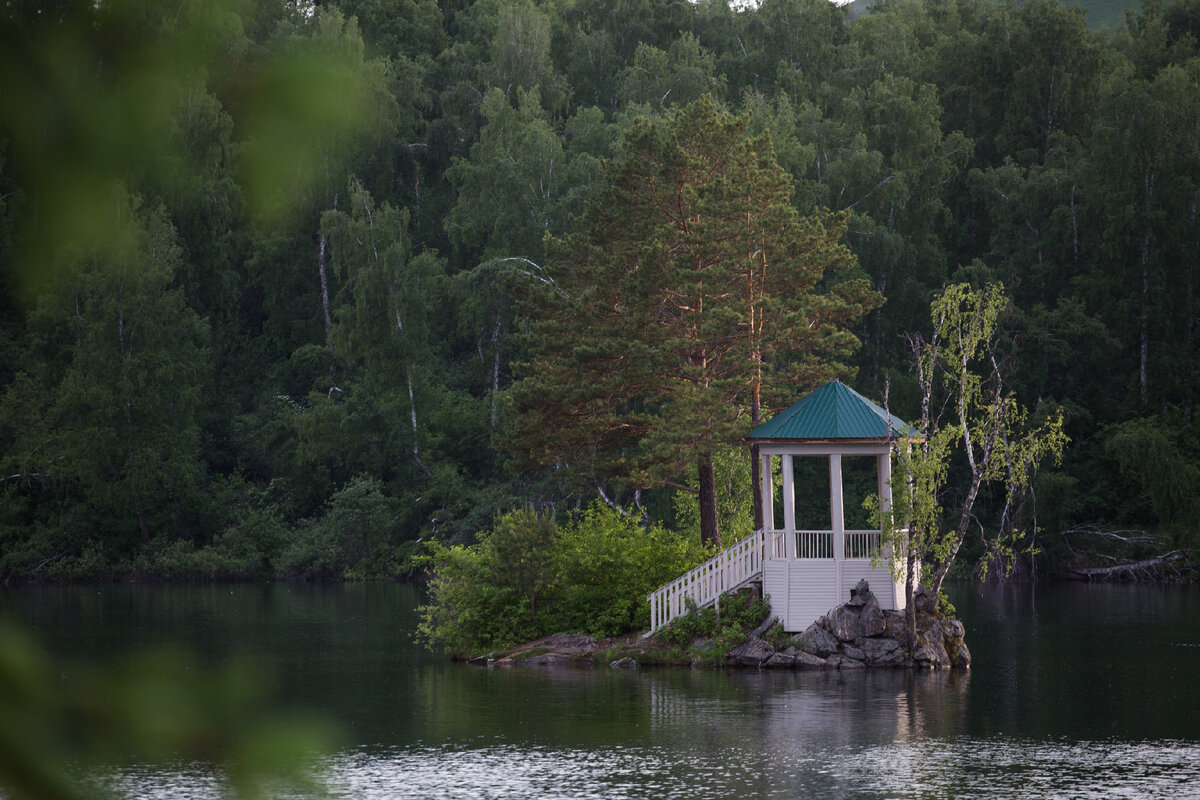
[373,269]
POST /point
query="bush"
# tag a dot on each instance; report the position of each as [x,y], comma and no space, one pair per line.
[355,520]
[740,613]
[467,612]
[608,563]
[527,578]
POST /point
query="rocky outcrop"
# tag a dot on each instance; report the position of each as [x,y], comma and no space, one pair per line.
[860,634]
[853,636]
[559,649]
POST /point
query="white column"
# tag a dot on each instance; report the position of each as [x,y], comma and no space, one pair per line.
[768,497]
[789,509]
[835,505]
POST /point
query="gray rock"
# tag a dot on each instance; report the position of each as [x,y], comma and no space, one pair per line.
[805,660]
[924,603]
[964,655]
[765,626]
[872,619]
[860,592]
[780,661]
[953,628]
[877,650]
[818,641]
[752,653]
[845,624]
[545,660]
[896,658]
[849,663]
[931,654]
[852,652]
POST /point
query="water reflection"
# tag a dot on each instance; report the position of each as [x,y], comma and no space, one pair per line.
[1076,692]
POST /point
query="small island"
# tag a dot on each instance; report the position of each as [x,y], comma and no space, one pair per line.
[855,635]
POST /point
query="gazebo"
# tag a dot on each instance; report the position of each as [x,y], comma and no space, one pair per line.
[805,556]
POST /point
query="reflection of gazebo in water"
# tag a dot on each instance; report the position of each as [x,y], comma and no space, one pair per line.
[806,568]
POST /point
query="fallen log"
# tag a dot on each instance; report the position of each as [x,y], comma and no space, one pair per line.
[1133,568]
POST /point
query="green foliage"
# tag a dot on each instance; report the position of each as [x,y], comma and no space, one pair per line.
[327,233]
[694,297]
[740,612]
[1152,456]
[608,564]
[590,576]
[357,519]
[960,370]
[735,497]
[467,613]
[156,707]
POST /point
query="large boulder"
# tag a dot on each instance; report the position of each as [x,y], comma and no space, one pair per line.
[818,640]
[752,652]
[860,633]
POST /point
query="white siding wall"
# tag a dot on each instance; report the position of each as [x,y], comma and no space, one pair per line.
[775,586]
[812,590]
[879,577]
[800,590]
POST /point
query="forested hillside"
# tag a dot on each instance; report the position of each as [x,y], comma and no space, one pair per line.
[267,266]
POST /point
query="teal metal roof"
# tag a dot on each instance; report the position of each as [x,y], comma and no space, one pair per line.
[834,411]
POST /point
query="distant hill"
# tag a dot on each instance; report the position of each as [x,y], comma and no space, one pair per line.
[1100,13]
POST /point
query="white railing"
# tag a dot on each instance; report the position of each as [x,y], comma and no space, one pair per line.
[777,544]
[727,570]
[861,544]
[814,544]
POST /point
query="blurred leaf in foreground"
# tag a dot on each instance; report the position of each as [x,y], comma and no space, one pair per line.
[64,730]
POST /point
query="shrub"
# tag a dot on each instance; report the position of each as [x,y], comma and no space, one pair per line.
[355,519]
[467,612]
[740,613]
[526,578]
[608,563]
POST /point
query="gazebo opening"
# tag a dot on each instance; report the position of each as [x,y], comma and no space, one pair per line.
[860,480]
[810,477]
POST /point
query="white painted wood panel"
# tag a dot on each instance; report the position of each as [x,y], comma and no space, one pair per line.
[879,578]
[812,591]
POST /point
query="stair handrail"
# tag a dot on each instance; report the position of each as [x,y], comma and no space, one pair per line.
[728,570]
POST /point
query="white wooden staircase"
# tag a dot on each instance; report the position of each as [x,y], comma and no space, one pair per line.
[729,570]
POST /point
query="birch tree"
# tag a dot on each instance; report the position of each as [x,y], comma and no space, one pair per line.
[382,324]
[965,403]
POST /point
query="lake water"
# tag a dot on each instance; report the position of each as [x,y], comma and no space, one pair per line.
[1077,691]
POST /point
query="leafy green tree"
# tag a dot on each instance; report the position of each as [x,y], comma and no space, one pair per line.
[590,575]
[608,562]
[1145,163]
[357,521]
[663,79]
[520,550]
[118,442]
[382,325]
[696,298]
[962,376]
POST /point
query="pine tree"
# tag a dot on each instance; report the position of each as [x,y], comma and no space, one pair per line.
[694,297]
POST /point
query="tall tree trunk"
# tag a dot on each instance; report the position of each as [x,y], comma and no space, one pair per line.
[324,291]
[325,283]
[496,318]
[710,533]
[412,407]
[756,463]
[910,603]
